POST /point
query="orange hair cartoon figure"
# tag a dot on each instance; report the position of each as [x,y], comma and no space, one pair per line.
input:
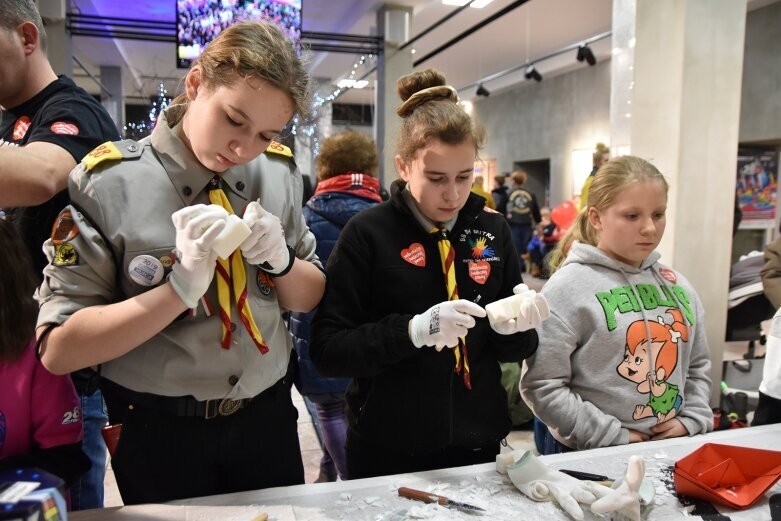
[664,399]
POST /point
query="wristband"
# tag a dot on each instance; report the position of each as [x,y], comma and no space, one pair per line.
[292,254]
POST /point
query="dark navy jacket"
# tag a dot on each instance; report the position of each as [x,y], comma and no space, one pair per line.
[326,214]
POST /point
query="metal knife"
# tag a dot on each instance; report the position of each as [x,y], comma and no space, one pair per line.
[428,497]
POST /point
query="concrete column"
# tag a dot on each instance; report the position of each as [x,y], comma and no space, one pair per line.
[59,48]
[622,75]
[393,24]
[111,78]
[685,107]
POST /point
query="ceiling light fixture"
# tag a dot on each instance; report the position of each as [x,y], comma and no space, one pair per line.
[532,74]
[482,91]
[584,53]
[479,4]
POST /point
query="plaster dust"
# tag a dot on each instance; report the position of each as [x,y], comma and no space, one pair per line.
[376,499]
[502,501]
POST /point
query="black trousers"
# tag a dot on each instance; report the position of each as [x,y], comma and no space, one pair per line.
[768,411]
[161,457]
[366,459]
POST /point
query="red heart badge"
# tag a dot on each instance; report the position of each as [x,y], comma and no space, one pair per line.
[668,274]
[415,254]
[479,271]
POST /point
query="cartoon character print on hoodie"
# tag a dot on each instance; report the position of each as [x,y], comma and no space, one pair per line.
[591,379]
[664,398]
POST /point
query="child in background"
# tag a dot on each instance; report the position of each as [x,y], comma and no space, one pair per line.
[40,415]
[623,357]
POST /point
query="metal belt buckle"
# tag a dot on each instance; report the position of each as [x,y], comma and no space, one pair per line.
[228,407]
[224,407]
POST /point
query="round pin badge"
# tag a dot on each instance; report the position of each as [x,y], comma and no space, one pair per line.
[168,259]
[145,270]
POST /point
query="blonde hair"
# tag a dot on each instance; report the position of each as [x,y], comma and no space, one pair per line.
[260,51]
[348,151]
[599,150]
[430,110]
[610,180]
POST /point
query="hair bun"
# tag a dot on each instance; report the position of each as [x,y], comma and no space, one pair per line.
[419,87]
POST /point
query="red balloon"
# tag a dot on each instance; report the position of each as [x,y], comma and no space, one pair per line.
[564,214]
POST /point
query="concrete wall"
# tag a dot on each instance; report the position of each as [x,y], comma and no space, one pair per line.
[760,109]
[572,111]
[549,119]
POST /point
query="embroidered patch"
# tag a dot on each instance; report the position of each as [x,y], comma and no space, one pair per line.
[480,244]
[64,228]
[20,128]
[480,248]
[415,254]
[104,152]
[280,149]
[668,275]
[479,271]
[61,127]
[65,255]
[264,283]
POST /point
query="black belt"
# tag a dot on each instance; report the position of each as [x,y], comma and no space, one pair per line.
[185,405]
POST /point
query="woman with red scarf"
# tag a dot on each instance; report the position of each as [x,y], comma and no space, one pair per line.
[345,171]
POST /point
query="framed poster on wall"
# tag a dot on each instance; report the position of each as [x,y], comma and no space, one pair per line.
[756,187]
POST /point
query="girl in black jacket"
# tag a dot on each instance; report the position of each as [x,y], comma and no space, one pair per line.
[409,278]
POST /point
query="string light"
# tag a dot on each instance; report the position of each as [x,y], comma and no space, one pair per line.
[310,130]
[144,128]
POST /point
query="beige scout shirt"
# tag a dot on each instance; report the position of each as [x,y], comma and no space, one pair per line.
[123,211]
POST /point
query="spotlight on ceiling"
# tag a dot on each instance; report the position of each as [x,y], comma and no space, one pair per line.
[482,91]
[532,74]
[584,53]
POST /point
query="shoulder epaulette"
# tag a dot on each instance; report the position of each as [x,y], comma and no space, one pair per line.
[112,151]
[279,149]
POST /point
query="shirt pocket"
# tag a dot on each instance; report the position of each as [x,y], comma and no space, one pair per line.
[145,269]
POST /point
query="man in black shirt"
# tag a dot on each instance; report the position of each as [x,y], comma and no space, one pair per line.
[47,125]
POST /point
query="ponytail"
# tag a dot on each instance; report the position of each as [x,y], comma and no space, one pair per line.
[610,180]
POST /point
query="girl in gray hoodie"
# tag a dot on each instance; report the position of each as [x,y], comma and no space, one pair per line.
[623,357]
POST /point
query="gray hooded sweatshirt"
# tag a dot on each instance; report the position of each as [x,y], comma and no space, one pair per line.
[590,379]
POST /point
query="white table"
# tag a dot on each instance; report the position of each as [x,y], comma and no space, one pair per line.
[375,499]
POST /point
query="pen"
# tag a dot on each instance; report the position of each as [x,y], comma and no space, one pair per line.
[585,475]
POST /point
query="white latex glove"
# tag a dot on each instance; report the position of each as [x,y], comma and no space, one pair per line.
[540,483]
[525,310]
[625,498]
[266,246]
[443,324]
[197,227]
